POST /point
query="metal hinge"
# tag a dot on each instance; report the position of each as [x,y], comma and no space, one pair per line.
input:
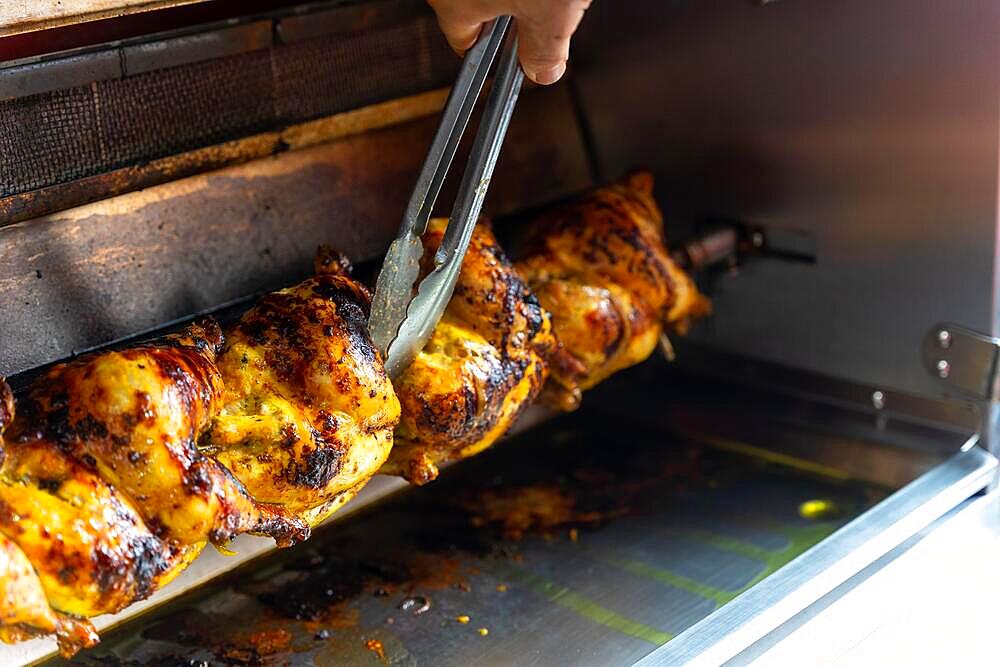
[966,359]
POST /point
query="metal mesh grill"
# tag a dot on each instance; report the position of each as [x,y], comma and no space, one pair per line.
[53,138]
[48,138]
[310,81]
[173,110]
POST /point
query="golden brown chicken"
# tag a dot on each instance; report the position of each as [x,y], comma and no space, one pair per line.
[87,543]
[484,363]
[308,412]
[24,609]
[601,267]
[69,542]
[133,418]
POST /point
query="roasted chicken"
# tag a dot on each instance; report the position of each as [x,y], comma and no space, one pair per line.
[24,609]
[133,416]
[69,542]
[601,267]
[88,544]
[484,363]
[119,466]
[308,411]
[104,496]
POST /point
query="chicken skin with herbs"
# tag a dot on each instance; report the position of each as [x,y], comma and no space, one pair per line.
[484,363]
[133,416]
[308,412]
[24,609]
[601,267]
[70,545]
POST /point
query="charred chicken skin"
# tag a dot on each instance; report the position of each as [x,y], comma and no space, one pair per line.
[69,542]
[308,411]
[134,417]
[104,496]
[601,267]
[118,467]
[24,609]
[484,363]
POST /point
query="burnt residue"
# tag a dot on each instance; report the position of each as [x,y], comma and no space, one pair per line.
[447,549]
[317,467]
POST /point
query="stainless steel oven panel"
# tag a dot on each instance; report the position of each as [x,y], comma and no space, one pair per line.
[871,127]
[723,635]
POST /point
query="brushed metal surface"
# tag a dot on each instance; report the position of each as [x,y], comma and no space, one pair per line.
[873,126]
[884,619]
[723,635]
[685,531]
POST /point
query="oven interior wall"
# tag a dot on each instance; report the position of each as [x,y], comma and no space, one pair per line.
[863,133]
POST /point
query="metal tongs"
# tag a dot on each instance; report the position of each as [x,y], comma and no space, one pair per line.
[402,321]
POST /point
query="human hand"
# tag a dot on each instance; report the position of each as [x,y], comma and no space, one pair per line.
[544,28]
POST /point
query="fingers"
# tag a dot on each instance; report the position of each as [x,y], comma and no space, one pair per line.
[544,29]
[461,21]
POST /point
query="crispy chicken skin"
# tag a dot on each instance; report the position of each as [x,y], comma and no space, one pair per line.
[69,542]
[134,416]
[308,412]
[601,267]
[88,544]
[484,363]
[24,611]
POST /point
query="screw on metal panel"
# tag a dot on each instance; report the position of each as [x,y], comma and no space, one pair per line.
[944,339]
[943,369]
[878,400]
[757,239]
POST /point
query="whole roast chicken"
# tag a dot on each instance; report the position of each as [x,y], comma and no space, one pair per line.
[600,266]
[484,364]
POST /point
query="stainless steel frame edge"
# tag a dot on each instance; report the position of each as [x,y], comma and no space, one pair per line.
[723,635]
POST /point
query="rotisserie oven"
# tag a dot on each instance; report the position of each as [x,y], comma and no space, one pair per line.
[731,311]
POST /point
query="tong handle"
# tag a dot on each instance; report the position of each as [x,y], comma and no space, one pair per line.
[394,288]
[435,291]
[455,118]
[485,152]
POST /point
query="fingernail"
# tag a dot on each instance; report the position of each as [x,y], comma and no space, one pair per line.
[548,76]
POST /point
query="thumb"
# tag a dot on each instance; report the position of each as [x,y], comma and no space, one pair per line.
[544,33]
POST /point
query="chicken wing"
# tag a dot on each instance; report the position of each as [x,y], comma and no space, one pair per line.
[308,412]
[134,416]
[484,363]
[601,267]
